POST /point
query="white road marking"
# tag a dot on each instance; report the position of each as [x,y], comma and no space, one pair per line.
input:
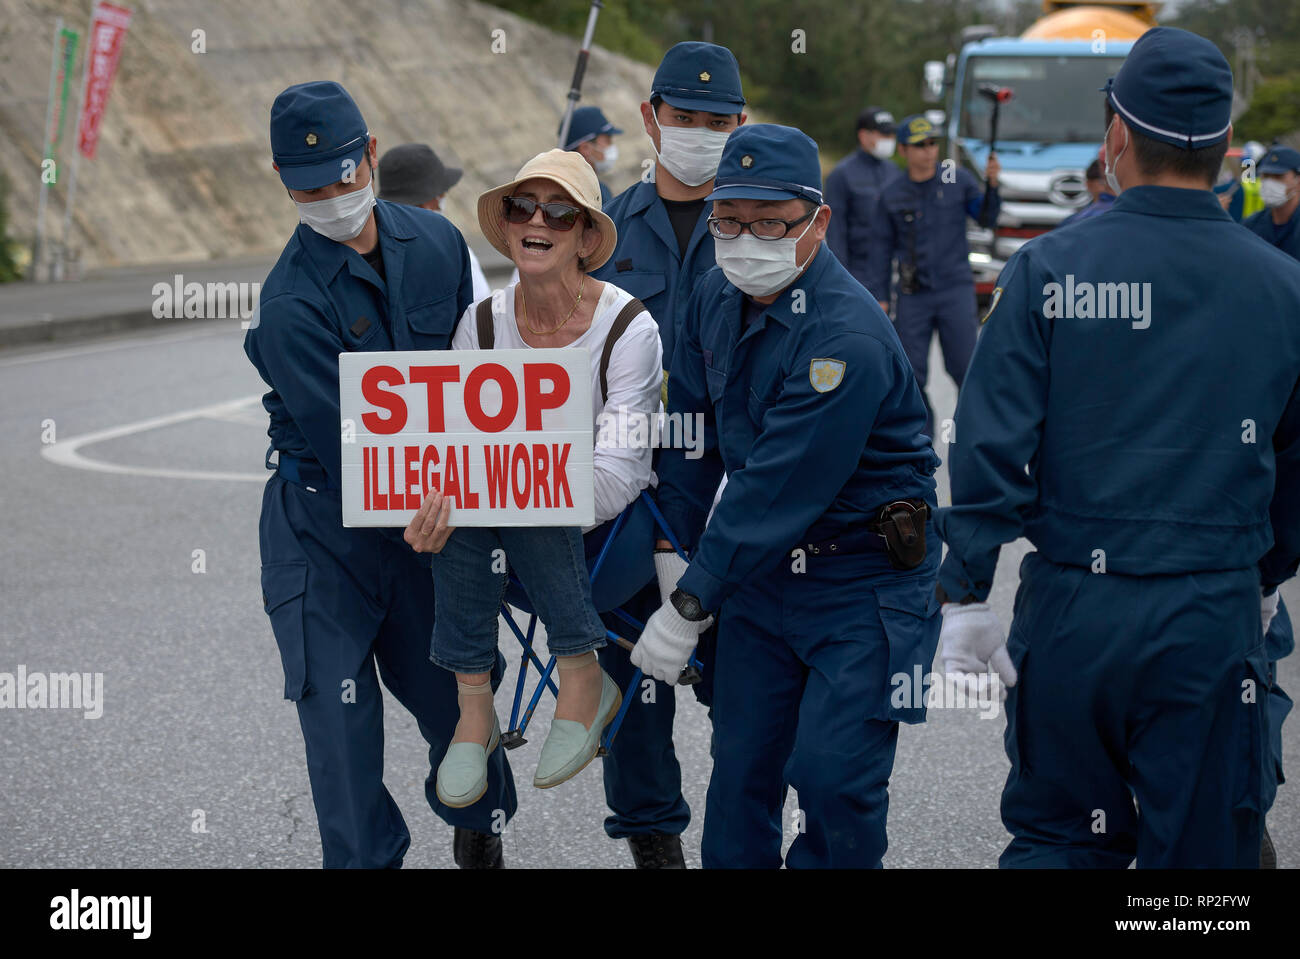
[67,452]
[115,345]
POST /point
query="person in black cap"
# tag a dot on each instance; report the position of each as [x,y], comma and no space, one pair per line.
[1138,420]
[591,135]
[352,606]
[852,187]
[411,173]
[815,561]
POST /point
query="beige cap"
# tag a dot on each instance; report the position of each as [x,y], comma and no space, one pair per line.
[573,174]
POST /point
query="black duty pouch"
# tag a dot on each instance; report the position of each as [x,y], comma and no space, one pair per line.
[902,524]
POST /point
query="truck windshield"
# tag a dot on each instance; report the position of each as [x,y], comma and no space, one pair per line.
[1056,98]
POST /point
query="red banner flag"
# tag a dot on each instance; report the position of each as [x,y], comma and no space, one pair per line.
[103,50]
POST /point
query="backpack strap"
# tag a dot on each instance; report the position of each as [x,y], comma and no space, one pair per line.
[621,323]
[487,336]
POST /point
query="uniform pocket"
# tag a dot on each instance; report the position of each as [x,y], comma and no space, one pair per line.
[758,408]
[436,319]
[717,381]
[643,284]
[909,614]
[1253,733]
[1017,730]
[284,589]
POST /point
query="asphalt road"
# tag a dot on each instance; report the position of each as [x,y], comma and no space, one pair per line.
[98,576]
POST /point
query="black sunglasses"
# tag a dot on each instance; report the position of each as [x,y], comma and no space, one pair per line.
[557,216]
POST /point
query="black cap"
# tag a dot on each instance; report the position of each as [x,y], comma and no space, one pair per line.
[412,173]
[876,118]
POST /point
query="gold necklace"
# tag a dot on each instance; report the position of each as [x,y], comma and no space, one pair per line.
[523,306]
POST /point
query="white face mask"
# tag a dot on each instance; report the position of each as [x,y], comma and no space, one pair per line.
[761,267]
[610,158]
[884,148]
[1273,192]
[1111,180]
[691,154]
[339,218]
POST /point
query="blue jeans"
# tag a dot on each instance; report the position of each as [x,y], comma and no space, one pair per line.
[469,582]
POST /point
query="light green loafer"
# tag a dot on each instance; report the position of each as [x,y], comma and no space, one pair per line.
[570,746]
[462,774]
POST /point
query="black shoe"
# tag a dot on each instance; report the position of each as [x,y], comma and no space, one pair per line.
[477,850]
[657,851]
[1267,854]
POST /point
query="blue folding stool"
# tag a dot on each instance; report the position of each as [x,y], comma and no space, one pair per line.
[607,589]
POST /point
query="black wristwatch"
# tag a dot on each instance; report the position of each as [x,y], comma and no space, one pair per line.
[688,606]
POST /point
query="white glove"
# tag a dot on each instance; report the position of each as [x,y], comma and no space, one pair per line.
[1268,606]
[666,643]
[973,640]
[669,568]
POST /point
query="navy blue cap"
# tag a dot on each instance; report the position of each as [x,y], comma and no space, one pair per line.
[587,124]
[1279,160]
[1174,87]
[699,76]
[764,161]
[315,128]
[916,129]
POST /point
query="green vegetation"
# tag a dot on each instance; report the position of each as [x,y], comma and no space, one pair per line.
[9,270]
[1261,39]
[860,52]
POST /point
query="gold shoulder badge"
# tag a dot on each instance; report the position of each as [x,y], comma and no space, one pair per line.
[993,304]
[705,76]
[311,139]
[826,374]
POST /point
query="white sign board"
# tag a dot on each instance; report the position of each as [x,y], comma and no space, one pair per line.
[506,434]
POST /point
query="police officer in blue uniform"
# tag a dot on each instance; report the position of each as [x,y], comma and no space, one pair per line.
[664,250]
[358,275]
[921,221]
[1279,186]
[815,560]
[1151,453]
[591,135]
[1098,189]
[852,188]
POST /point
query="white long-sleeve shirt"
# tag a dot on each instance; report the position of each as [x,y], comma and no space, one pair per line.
[635,376]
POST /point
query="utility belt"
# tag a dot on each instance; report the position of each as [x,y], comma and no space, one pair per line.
[897,530]
[301,472]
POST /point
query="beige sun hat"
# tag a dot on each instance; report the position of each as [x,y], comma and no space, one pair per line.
[573,174]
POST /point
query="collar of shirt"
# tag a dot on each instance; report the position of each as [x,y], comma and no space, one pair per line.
[643,194]
[330,256]
[1172,202]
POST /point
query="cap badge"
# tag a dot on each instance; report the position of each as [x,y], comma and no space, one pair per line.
[705,76]
[312,139]
[747,161]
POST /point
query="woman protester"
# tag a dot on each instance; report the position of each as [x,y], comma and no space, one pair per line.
[548,221]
